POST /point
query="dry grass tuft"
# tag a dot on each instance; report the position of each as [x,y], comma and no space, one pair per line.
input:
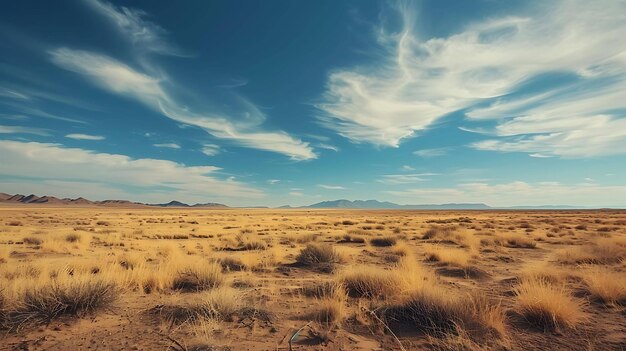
[606,286]
[318,254]
[546,305]
[383,241]
[232,264]
[376,282]
[199,275]
[30,240]
[73,238]
[518,241]
[368,281]
[438,311]
[452,256]
[448,234]
[602,251]
[331,308]
[74,296]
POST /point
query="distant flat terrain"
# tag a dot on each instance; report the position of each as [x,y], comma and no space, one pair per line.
[145,278]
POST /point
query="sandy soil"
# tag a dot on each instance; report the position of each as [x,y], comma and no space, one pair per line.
[272,286]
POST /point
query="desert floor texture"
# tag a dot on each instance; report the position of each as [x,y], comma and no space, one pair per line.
[98,278]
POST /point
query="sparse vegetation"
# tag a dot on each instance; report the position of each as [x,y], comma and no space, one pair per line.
[383,241]
[606,286]
[199,275]
[441,280]
[547,305]
[318,254]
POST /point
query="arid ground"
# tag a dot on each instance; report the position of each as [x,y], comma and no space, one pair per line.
[183,279]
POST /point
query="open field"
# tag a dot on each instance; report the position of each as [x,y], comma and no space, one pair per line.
[152,279]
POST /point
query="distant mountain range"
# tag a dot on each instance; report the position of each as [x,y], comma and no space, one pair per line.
[375,204]
[51,200]
[347,204]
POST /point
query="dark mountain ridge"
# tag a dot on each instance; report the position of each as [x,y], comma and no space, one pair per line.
[80,201]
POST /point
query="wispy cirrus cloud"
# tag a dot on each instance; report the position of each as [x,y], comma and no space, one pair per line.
[79,136]
[23,130]
[331,187]
[124,80]
[35,161]
[420,80]
[134,27]
[428,153]
[211,149]
[393,179]
[150,84]
[167,146]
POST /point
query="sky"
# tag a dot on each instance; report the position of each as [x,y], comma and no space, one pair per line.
[267,103]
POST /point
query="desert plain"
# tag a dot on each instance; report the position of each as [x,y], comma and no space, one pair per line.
[96,278]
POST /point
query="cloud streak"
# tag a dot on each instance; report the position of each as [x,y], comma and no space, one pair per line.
[78,136]
[165,179]
[131,23]
[331,187]
[23,130]
[420,81]
[119,78]
[394,179]
[149,84]
[167,146]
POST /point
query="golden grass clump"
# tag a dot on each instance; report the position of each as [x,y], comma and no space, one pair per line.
[517,241]
[220,303]
[331,308]
[377,282]
[547,305]
[368,281]
[448,234]
[438,311]
[73,237]
[602,251]
[318,254]
[198,275]
[301,238]
[38,296]
[606,286]
[31,240]
[383,241]
[544,271]
[452,256]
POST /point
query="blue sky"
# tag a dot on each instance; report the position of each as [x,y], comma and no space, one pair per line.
[295,102]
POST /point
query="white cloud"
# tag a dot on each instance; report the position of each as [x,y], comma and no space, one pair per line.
[328,147]
[211,149]
[296,193]
[43,161]
[331,187]
[150,88]
[407,168]
[520,193]
[420,80]
[167,145]
[273,181]
[79,136]
[132,25]
[9,93]
[22,130]
[119,78]
[393,179]
[427,153]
